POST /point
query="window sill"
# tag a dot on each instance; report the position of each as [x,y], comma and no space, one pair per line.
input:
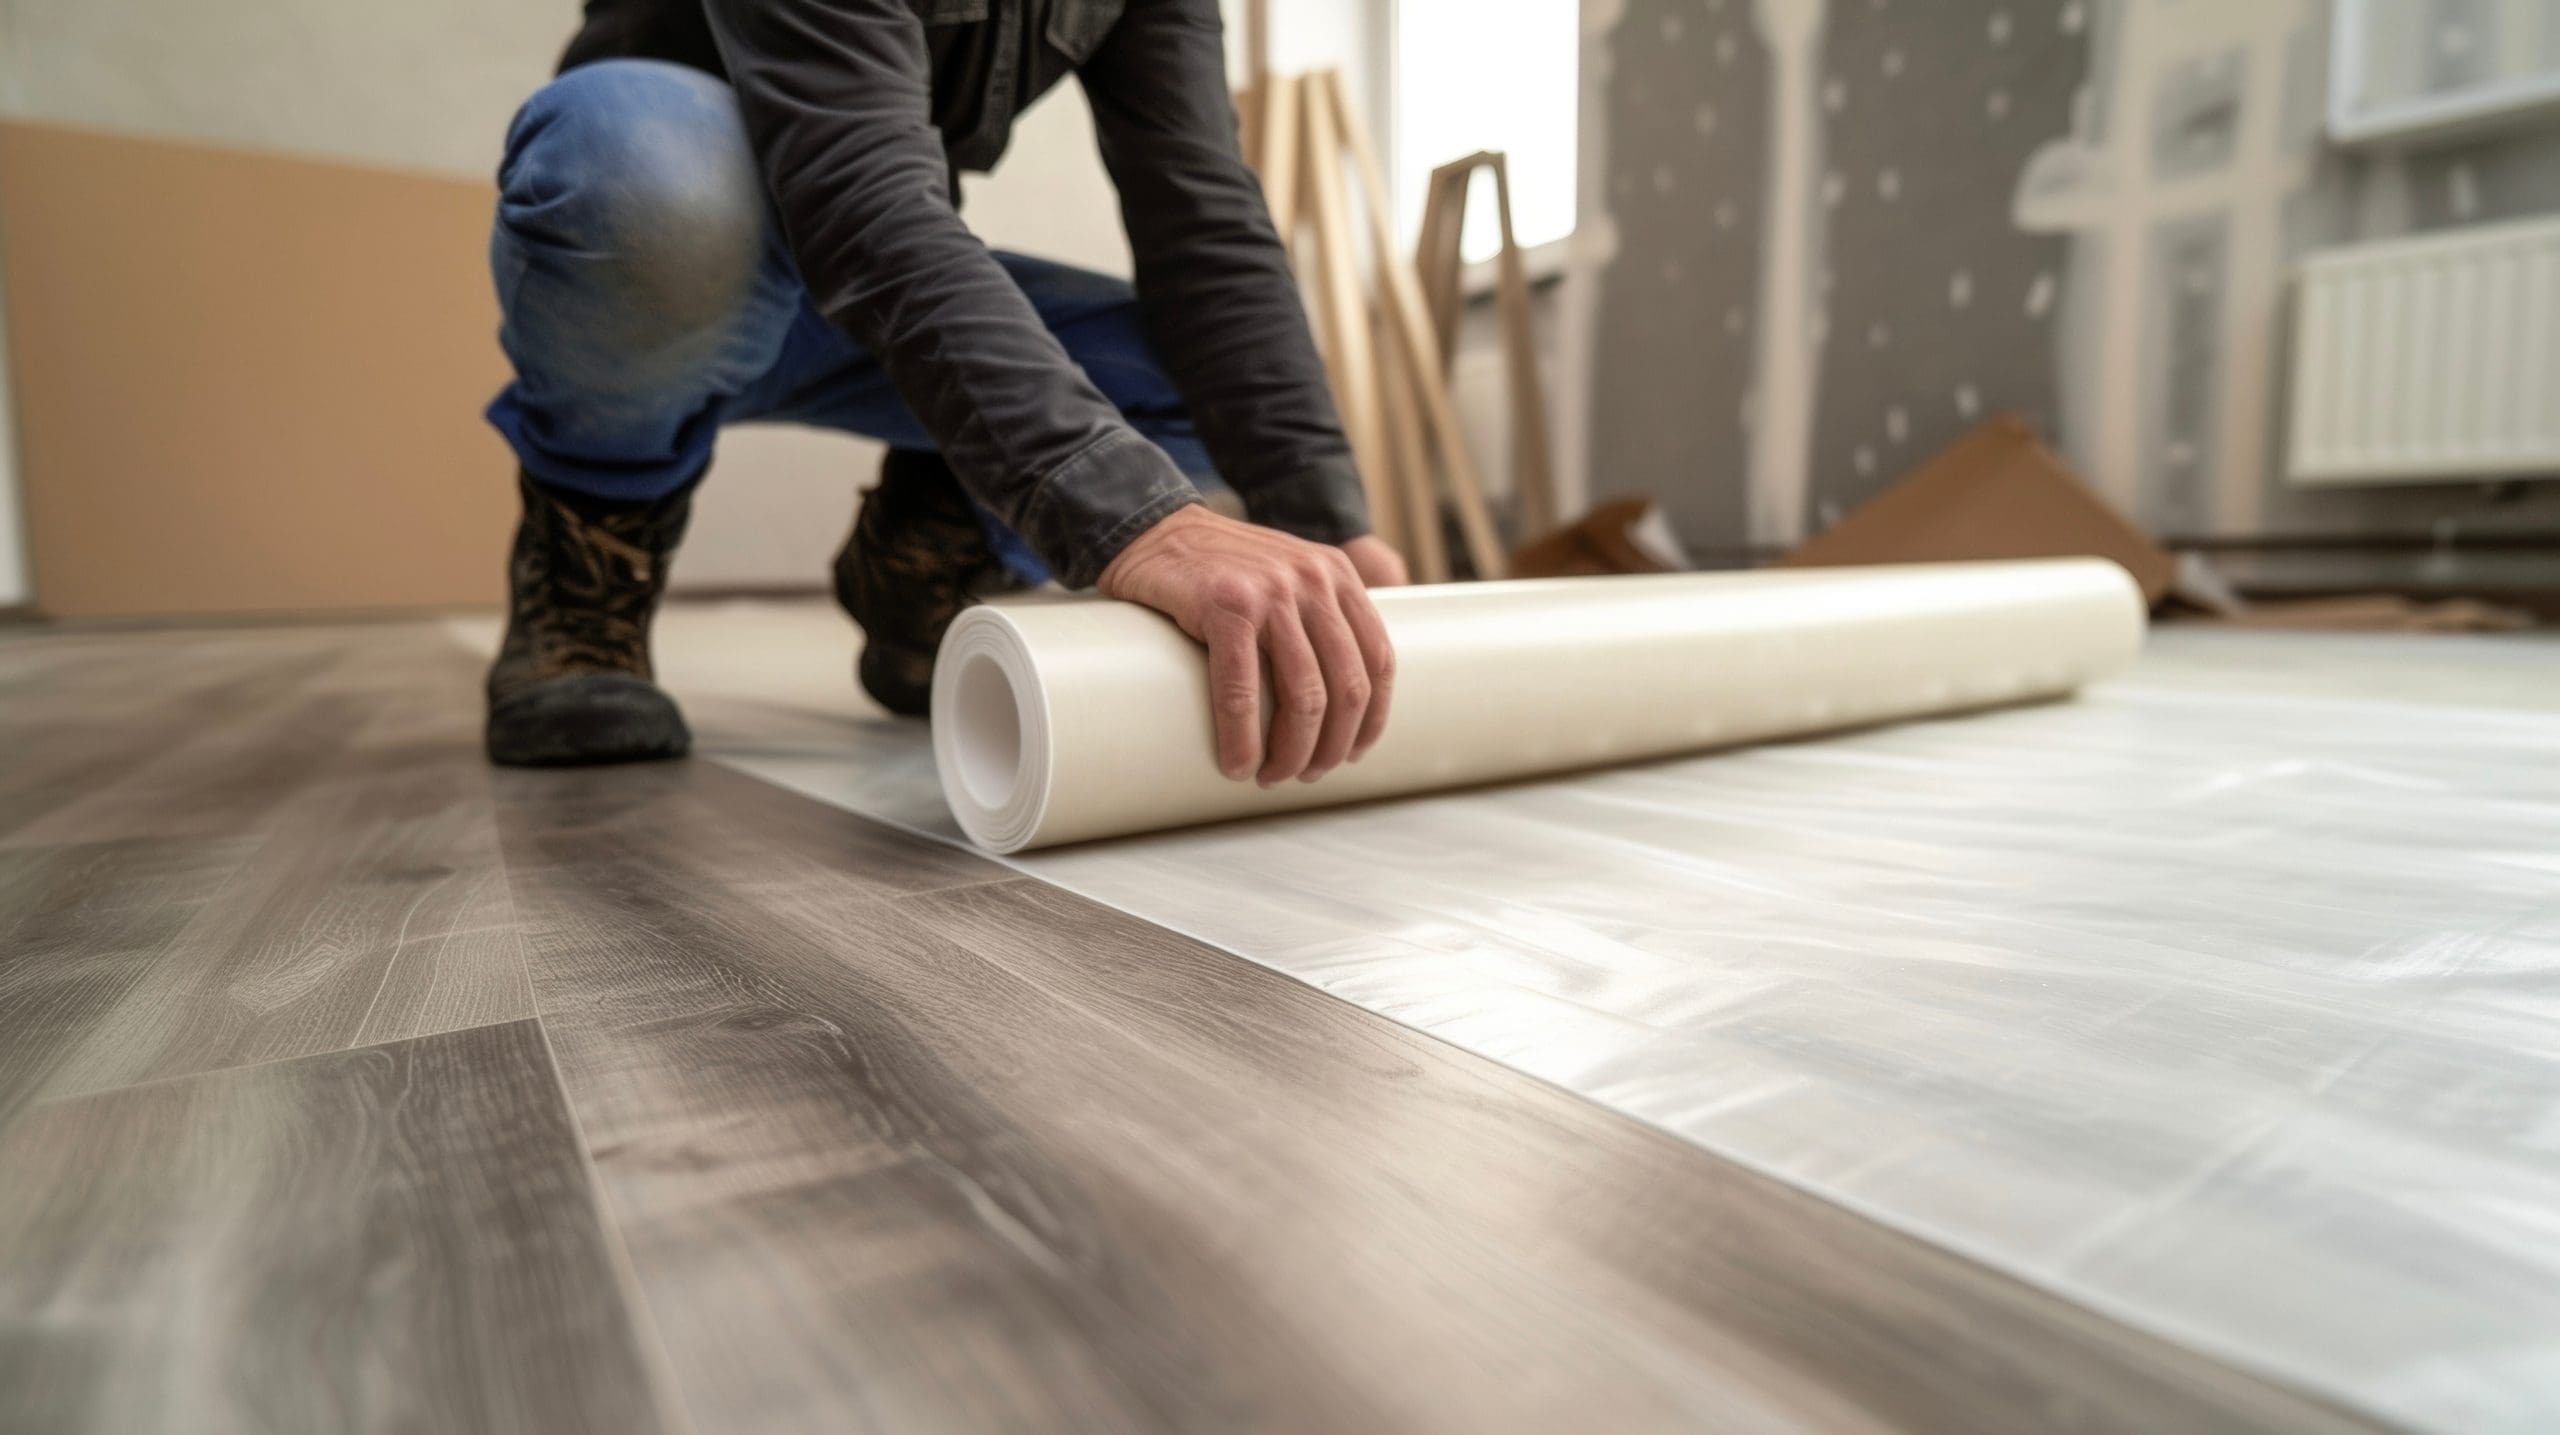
[1543,263]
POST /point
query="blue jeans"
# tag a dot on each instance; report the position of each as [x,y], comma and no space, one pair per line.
[649,299]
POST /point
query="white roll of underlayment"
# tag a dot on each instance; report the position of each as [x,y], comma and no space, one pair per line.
[1061,720]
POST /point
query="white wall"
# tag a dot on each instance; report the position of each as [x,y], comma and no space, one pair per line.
[1353,36]
[389,82]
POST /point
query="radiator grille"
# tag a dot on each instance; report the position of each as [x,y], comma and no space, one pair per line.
[2435,358]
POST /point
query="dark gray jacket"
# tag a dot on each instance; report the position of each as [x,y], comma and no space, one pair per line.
[862,112]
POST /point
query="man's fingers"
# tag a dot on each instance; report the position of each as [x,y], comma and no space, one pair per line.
[1235,693]
[1297,695]
[1289,628]
[1346,681]
[1378,659]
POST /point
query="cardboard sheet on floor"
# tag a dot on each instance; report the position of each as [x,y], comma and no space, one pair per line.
[1998,492]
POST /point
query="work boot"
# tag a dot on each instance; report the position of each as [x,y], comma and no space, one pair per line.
[916,558]
[572,683]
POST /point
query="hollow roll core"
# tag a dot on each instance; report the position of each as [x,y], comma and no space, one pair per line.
[990,731]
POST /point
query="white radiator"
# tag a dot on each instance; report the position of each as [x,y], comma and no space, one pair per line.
[2429,359]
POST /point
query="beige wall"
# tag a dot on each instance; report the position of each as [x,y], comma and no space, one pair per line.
[14,588]
[248,382]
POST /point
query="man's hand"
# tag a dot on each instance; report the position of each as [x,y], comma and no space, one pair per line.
[1378,565]
[1262,599]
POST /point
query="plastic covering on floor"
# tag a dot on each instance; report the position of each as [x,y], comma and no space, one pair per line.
[2224,999]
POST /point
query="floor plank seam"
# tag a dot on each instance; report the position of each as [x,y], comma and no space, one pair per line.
[84,1093]
[673,1413]
[969,886]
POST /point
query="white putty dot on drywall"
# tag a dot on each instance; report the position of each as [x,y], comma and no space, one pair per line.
[2074,17]
[1999,27]
[1727,48]
[1865,459]
[1960,289]
[1594,244]
[1733,321]
[1670,271]
[2040,296]
[1879,334]
[1706,118]
[1968,401]
[1891,64]
[1996,104]
[2179,454]
[1827,512]
[1662,179]
[1889,185]
[1673,27]
[1834,188]
[1835,95]
[1897,424]
[1725,215]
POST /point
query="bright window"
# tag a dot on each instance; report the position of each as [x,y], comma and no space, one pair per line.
[1488,74]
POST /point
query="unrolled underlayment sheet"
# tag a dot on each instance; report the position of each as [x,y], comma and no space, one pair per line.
[2225,999]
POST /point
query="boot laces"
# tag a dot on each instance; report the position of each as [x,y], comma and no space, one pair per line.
[606,584]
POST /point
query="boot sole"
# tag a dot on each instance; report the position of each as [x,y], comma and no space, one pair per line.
[585,720]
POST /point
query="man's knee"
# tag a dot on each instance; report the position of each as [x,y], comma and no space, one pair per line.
[639,171]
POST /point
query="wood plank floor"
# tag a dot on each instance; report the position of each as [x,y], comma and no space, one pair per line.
[348,1085]
[400,1236]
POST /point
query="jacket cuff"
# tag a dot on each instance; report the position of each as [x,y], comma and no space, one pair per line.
[1087,510]
[1323,503]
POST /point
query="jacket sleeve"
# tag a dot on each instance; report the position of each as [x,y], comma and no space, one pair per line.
[1215,292]
[836,95]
